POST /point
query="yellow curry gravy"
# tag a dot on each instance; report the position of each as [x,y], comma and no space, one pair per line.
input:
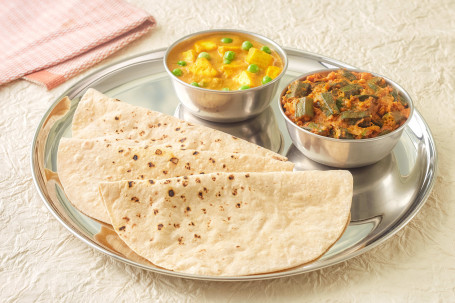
[202,62]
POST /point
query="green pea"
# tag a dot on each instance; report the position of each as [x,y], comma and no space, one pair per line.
[243,87]
[195,84]
[266,79]
[182,63]
[226,61]
[229,55]
[226,89]
[253,68]
[246,45]
[177,72]
[266,49]
[204,55]
[226,40]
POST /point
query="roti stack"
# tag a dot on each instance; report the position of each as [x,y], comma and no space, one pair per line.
[230,224]
[192,199]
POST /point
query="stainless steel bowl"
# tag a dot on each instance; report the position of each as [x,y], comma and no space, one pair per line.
[222,106]
[345,153]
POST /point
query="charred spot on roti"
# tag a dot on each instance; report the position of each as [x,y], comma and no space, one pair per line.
[217,140]
[197,236]
[237,246]
[108,145]
[180,239]
[204,210]
[165,172]
[176,225]
[135,199]
[213,178]
[141,133]
[150,164]
[155,211]
[191,224]
[231,177]
[174,160]
[135,157]
[218,194]
[224,165]
[229,218]
[116,118]
[188,208]
[195,153]
[221,208]
[160,226]
[131,183]
[138,215]
[122,228]
[185,183]
[167,181]
[212,160]
[177,129]
[151,182]
[185,177]
[142,176]
[188,166]
[247,175]
[158,152]
[238,205]
[201,173]
[234,192]
[200,195]
[198,180]
[234,137]
[205,189]
[128,170]
[126,219]
[171,193]
[182,140]
[120,151]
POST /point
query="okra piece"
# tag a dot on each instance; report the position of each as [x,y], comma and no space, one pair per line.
[304,108]
[364,97]
[329,103]
[398,98]
[373,86]
[351,90]
[312,127]
[348,75]
[345,134]
[298,89]
[354,115]
[339,102]
[395,116]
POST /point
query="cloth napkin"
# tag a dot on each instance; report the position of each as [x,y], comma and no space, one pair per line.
[50,41]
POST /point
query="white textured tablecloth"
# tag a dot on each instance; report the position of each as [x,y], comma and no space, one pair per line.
[412,42]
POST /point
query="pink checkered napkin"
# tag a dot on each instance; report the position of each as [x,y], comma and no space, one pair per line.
[49,41]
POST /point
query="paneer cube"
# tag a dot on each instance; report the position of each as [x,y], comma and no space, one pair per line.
[223,49]
[273,71]
[258,57]
[203,68]
[189,56]
[246,78]
[230,70]
[204,46]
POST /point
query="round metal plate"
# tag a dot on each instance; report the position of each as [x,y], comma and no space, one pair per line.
[387,194]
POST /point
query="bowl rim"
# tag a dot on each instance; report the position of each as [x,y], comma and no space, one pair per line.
[281,52]
[328,70]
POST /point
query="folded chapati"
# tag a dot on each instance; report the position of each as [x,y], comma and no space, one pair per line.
[100,116]
[83,163]
[231,224]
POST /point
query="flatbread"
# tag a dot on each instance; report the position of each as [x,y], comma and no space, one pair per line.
[97,115]
[230,224]
[83,163]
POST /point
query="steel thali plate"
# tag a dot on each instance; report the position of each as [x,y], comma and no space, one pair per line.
[387,195]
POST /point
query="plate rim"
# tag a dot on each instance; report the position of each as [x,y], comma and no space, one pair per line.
[157,54]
